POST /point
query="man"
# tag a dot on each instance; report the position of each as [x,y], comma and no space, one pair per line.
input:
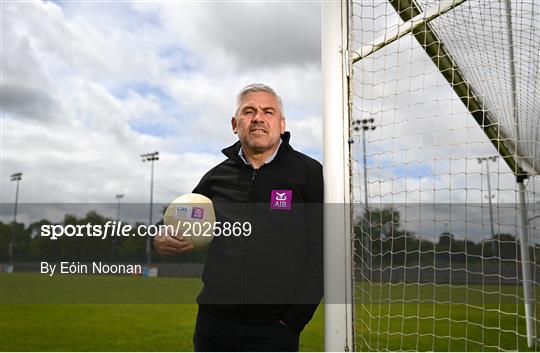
[259,290]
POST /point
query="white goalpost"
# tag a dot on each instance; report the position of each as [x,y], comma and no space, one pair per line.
[338,264]
[432,174]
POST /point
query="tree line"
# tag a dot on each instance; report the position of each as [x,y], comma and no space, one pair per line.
[30,246]
[379,237]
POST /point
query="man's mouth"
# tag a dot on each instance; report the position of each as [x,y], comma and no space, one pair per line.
[258,129]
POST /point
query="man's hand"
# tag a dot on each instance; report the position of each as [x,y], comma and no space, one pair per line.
[168,244]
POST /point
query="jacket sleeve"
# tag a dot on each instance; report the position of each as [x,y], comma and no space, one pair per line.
[310,289]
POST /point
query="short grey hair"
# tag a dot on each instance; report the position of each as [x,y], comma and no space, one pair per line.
[257,87]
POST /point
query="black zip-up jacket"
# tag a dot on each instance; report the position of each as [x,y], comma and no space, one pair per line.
[275,273]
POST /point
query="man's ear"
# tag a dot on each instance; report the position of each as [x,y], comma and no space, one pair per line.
[233,124]
[282,125]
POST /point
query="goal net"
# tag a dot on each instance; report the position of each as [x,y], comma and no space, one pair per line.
[444,136]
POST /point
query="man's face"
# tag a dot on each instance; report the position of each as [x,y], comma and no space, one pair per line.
[259,123]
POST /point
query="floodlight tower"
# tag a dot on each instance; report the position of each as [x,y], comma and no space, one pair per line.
[489,197]
[364,125]
[150,157]
[118,197]
[14,177]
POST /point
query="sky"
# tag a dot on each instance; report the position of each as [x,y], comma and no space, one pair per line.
[87,87]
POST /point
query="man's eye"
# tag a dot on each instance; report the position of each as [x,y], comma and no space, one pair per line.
[270,112]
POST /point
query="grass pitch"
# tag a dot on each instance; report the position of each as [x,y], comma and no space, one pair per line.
[133,314]
[429,317]
[153,314]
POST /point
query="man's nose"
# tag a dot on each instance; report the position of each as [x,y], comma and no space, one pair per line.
[258,116]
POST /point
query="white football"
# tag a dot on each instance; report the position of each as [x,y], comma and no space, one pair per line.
[192,216]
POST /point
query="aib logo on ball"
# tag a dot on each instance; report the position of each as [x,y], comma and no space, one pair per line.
[197,212]
[281,200]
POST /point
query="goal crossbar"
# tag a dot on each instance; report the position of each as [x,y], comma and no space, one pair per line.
[430,14]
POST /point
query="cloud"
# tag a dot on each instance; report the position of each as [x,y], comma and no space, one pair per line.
[26,102]
[246,35]
[25,91]
[88,87]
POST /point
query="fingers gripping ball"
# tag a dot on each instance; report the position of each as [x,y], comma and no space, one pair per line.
[192,215]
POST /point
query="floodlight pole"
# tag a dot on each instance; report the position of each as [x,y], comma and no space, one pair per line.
[150,157]
[491,222]
[14,177]
[338,261]
[365,125]
[118,197]
[528,284]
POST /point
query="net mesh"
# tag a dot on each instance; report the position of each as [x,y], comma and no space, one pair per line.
[436,221]
[495,43]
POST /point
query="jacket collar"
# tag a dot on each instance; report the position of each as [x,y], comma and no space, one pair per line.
[233,150]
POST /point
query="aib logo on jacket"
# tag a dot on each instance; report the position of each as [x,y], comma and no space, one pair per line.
[197,212]
[281,200]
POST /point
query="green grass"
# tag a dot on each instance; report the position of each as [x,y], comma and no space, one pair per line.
[108,313]
[431,317]
[411,327]
[112,327]
[23,288]
[133,314]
